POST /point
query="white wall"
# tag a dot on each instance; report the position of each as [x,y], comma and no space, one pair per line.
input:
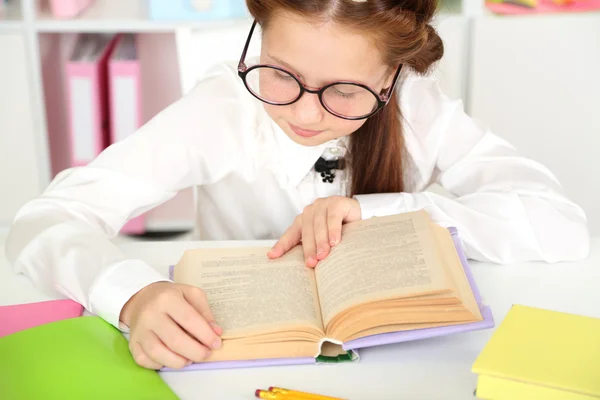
[452,69]
[536,82]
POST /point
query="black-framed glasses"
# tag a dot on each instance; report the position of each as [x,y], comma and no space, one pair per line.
[275,85]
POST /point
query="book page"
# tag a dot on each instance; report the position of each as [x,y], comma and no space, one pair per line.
[248,293]
[456,271]
[378,259]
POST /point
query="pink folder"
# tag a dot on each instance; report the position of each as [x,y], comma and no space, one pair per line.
[86,77]
[19,317]
[374,340]
[125,102]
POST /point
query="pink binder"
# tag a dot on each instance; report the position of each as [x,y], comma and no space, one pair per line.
[68,8]
[87,97]
[374,340]
[125,102]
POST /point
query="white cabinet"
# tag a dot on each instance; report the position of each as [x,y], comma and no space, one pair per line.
[20,167]
[536,82]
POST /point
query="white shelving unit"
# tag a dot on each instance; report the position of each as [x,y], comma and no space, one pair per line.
[26,29]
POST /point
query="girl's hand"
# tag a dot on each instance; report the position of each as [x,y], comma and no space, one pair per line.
[319,228]
[171,325]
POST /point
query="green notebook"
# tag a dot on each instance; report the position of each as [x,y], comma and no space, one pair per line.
[78,358]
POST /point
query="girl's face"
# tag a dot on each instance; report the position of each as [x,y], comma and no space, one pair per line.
[319,54]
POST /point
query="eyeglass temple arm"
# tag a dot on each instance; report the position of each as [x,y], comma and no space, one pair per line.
[241,64]
[388,94]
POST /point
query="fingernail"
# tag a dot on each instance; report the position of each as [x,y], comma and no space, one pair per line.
[310,261]
[214,325]
[187,364]
[333,241]
[208,354]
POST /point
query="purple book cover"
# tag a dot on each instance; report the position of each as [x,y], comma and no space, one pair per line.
[374,340]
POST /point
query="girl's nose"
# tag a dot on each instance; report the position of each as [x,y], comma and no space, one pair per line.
[308,109]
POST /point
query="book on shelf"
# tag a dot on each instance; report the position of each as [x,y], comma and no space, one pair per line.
[87,96]
[390,279]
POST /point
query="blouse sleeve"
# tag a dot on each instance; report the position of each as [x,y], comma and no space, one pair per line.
[62,238]
[506,208]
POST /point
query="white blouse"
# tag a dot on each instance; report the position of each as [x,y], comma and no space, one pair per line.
[252,180]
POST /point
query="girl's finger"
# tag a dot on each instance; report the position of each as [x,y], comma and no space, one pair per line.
[321,233]
[141,358]
[288,240]
[190,319]
[177,340]
[308,239]
[197,298]
[335,220]
[159,353]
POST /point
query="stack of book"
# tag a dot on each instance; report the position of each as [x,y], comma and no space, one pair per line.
[541,354]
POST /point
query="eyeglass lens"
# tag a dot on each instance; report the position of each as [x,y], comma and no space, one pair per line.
[280,87]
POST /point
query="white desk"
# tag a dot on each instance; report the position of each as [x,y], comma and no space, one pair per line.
[430,369]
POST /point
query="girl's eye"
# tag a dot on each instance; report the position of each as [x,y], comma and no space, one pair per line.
[283,76]
[343,94]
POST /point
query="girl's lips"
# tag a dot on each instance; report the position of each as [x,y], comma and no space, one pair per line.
[304,132]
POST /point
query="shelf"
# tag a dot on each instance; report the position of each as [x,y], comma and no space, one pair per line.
[119,16]
[10,26]
[10,17]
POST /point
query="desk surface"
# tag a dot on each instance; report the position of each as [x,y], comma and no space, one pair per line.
[431,369]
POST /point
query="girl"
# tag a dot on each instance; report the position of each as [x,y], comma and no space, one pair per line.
[336,121]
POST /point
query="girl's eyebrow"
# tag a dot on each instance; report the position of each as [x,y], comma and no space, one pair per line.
[288,66]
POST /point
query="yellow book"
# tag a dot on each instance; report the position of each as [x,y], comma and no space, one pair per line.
[541,354]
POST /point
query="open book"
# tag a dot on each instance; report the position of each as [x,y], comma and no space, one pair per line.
[388,274]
